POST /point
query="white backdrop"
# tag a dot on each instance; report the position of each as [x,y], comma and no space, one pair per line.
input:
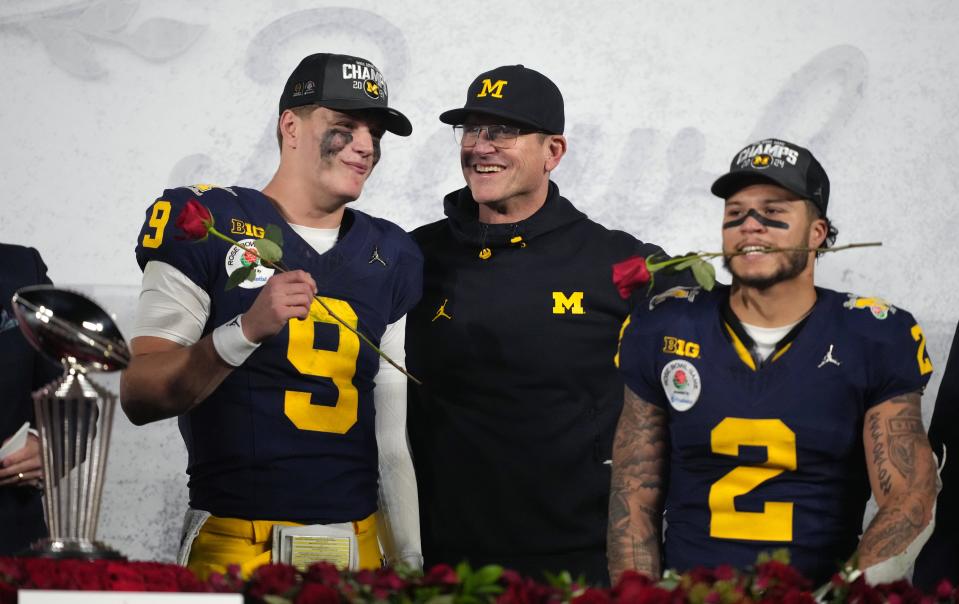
[105,103]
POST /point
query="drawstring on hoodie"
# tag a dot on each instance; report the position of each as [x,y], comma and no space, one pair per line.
[485,252]
[514,240]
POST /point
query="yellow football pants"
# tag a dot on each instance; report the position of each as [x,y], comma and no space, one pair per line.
[226,541]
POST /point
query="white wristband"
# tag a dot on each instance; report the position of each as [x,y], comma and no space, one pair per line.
[231,344]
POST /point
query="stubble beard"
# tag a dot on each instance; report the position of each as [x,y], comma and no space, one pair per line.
[796,263]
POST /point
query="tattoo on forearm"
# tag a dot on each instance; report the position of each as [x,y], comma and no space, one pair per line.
[879,454]
[904,468]
[905,434]
[636,491]
[890,532]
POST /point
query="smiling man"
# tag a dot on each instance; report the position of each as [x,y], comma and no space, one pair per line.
[759,416]
[513,339]
[288,418]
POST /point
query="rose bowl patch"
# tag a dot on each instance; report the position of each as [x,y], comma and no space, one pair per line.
[681,384]
[237,258]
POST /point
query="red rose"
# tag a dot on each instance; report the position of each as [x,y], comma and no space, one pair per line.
[795,596]
[8,594]
[783,573]
[527,592]
[863,593]
[272,579]
[315,593]
[944,590]
[441,574]
[637,587]
[382,581]
[323,572]
[121,576]
[10,570]
[630,274]
[725,572]
[592,596]
[194,220]
[158,577]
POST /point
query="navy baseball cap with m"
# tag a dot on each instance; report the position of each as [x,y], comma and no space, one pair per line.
[515,93]
[780,163]
[345,83]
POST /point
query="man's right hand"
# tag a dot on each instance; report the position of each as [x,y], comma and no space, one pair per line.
[285,296]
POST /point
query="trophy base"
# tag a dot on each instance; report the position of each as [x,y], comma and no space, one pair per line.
[77,549]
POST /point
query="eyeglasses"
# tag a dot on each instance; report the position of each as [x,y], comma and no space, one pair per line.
[498,135]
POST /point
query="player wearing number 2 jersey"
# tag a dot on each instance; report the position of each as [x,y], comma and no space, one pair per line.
[287,417]
[758,416]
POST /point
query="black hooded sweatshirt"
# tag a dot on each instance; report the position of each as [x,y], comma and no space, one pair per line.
[512,429]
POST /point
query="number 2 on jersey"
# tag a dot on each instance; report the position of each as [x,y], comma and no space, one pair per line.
[158,220]
[775,522]
[925,364]
[338,365]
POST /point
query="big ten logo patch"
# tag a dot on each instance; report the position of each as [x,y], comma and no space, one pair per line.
[572,303]
[680,347]
[239,227]
[493,89]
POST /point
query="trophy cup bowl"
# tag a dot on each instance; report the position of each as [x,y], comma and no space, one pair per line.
[74,415]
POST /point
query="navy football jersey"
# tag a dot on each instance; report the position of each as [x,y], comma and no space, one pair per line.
[768,455]
[289,435]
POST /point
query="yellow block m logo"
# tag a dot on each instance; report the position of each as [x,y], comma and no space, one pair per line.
[573,303]
[494,90]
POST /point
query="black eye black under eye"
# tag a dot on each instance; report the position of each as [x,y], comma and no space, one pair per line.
[766,222]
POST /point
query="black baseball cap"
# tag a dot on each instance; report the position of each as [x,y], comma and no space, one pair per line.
[780,163]
[519,94]
[344,83]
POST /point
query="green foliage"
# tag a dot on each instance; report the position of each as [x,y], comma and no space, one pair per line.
[244,273]
[704,273]
[274,234]
[477,586]
[268,251]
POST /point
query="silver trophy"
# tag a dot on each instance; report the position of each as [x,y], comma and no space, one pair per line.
[74,414]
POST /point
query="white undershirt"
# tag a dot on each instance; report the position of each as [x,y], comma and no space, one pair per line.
[766,338]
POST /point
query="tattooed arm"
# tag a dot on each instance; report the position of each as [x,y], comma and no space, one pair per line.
[902,473]
[637,491]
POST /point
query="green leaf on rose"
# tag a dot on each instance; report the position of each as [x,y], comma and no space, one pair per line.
[274,233]
[476,581]
[268,250]
[239,276]
[690,260]
[488,575]
[704,273]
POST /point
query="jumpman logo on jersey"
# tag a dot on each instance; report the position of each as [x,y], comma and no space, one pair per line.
[376,257]
[828,359]
[441,311]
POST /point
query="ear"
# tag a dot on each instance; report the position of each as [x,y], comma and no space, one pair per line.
[817,233]
[289,128]
[555,150]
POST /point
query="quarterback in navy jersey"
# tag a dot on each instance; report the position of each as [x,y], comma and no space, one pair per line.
[760,416]
[288,418]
